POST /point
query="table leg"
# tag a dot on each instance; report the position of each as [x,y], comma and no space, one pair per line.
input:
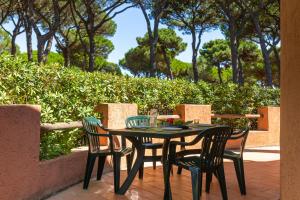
[137,164]
[166,170]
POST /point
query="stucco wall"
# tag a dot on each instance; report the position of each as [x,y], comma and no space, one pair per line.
[290,100]
[19,130]
[22,175]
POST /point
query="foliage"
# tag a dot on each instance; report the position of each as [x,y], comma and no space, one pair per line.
[5,43]
[192,17]
[181,69]
[169,45]
[216,53]
[52,57]
[69,94]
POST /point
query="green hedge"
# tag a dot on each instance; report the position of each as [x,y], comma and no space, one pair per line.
[68,94]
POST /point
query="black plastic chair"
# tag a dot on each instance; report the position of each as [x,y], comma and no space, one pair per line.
[139,122]
[209,161]
[91,126]
[237,158]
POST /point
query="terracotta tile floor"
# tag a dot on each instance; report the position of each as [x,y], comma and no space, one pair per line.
[261,171]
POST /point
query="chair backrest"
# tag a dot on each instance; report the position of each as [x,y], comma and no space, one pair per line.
[213,145]
[241,135]
[139,121]
[91,126]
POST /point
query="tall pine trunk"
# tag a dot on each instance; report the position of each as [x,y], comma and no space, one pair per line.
[168,63]
[277,58]
[47,50]
[234,50]
[13,45]
[266,56]
[66,54]
[241,73]
[28,32]
[91,53]
[220,73]
[152,59]
[40,50]
[194,58]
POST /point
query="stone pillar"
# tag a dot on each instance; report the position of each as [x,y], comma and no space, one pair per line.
[270,121]
[189,112]
[290,100]
[19,157]
[114,116]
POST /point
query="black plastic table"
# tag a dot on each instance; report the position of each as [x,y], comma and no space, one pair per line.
[133,136]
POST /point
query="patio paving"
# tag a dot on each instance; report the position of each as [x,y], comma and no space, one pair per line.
[261,171]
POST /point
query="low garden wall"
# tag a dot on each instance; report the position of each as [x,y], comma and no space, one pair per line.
[22,174]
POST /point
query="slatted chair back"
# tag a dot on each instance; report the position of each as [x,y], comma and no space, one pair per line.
[213,145]
[241,135]
[91,126]
[139,121]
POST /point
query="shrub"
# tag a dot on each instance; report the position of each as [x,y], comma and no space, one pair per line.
[69,94]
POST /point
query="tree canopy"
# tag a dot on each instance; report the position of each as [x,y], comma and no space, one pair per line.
[82,30]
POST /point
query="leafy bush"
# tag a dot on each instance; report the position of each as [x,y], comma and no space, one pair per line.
[68,94]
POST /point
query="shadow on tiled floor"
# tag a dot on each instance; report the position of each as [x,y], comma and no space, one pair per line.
[261,171]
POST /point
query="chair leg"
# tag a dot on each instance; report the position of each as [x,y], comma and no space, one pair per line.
[88,171]
[219,173]
[196,183]
[141,172]
[239,170]
[101,163]
[128,163]
[154,153]
[117,162]
[179,170]
[132,156]
[208,181]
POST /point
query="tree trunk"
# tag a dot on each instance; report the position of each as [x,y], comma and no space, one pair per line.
[266,57]
[47,50]
[167,60]
[194,58]
[29,41]
[40,50]
[13,45]
[91,53]
[234,50]
[152,58]
[277,58]
[241,73]
[66,54]
[220,73]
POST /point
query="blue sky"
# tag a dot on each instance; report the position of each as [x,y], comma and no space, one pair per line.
[131,24]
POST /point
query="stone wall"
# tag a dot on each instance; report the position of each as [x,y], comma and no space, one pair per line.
[22,174]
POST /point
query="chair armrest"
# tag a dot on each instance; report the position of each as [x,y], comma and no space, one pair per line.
[98,134]
[106,129]
[239,134]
